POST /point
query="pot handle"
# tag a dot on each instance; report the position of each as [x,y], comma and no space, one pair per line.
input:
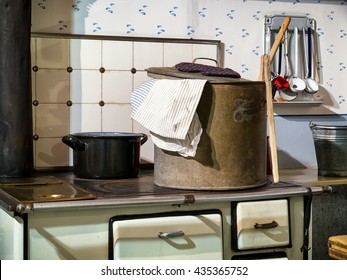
[144,139]
[74,143]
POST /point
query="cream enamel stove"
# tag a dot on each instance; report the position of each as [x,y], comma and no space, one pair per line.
[135,219]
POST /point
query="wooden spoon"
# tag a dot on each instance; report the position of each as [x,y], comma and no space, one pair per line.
[265,74]
[271,120]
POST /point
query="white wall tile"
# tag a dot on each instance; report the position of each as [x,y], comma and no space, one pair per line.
[116,86]
[33,55]
[85,86]
[33,85]
[175,53]
[116,117]
[117,55]
[33,51]
[139,78]
[34,118]
[52,120]
[52,86]
[147,54]
[50,152]
[85,54]
[85,118]
[52,53]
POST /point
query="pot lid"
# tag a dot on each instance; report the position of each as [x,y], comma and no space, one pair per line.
[173,73]
[107,134]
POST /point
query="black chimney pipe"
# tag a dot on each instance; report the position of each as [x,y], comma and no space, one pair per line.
[16,144]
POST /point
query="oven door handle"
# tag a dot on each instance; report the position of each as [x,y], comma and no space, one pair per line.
[165,235]
[273,224]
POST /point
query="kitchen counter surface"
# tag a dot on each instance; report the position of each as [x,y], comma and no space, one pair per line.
[135,191]
[310,177]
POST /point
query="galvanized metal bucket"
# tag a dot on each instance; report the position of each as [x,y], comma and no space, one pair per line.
[330,142]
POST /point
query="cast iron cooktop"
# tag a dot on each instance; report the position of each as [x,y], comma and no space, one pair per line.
[42,189]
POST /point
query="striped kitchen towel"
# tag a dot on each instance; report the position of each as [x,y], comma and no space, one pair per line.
[139,94]
[169,107]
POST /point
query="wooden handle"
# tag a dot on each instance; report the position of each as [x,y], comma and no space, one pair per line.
[274,47]
[261,71]
[279,37]
[271,120]
[265,75]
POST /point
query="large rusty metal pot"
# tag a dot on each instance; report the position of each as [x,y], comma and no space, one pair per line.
[232,152]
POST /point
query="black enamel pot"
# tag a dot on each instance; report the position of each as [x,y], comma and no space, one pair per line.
[106,155]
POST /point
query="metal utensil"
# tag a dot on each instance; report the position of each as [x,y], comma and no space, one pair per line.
[296,84]
[287,94]
[279,82]
[311,85]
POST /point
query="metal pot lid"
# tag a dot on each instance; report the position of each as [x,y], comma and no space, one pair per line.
[106,135]
[173,73]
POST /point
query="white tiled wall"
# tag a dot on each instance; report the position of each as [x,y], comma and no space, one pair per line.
[82,85]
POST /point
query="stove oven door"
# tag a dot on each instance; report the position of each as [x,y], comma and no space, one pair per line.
[262,224]
[11,237]
[167,236]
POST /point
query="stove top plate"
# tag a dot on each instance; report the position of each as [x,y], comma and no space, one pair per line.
[42,189]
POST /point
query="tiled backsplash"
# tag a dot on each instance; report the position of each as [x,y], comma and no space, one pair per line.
[82,84]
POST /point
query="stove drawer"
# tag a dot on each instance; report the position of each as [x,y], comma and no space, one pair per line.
[169,236]
[262,224]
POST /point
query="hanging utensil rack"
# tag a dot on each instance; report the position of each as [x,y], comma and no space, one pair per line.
[272,26]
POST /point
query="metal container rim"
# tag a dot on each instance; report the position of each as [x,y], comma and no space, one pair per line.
[112,135]
[315,126]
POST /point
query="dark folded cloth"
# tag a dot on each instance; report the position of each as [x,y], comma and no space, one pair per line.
[207,70]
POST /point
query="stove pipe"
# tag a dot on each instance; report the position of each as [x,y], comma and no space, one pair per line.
[16,145]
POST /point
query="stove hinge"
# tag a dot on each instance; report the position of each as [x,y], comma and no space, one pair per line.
[189,199]
[24,208]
